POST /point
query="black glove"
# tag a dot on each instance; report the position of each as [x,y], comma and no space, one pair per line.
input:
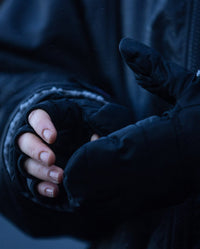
[150,164]
[75,120]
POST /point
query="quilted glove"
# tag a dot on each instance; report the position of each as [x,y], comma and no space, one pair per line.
[75,120]
[150,164]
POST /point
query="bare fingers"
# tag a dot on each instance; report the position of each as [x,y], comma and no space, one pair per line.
[52,173]
[40,164]
[41,156]
[50,176]
[33,147]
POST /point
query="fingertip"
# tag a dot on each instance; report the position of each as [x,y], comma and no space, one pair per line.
[55,174]
[94,137]
[61,175]
[47,157]
[51,192]
[52,158]
[48,189]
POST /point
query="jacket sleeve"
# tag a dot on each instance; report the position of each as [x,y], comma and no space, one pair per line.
[38,59]
[17,92]
[50,91]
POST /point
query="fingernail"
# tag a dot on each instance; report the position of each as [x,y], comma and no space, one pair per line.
[54,176]
[47,134]
[49,192]
[94,137]
[44,156]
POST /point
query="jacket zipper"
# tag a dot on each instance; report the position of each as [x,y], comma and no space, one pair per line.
[193,57]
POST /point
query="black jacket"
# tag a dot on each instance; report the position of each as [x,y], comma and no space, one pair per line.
[43,44]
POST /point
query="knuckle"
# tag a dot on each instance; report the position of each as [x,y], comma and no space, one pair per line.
[24,139]
[31,116]
[21,139]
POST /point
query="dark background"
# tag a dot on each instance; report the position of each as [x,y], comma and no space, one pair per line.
[12,238]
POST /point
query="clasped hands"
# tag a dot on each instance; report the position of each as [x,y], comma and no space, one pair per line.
[142,164]
[41,161]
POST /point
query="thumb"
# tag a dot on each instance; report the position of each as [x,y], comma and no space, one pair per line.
[165,79]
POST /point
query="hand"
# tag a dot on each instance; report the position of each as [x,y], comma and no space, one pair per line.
[41,158]
[150,164]
[67,126]
[41,165]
